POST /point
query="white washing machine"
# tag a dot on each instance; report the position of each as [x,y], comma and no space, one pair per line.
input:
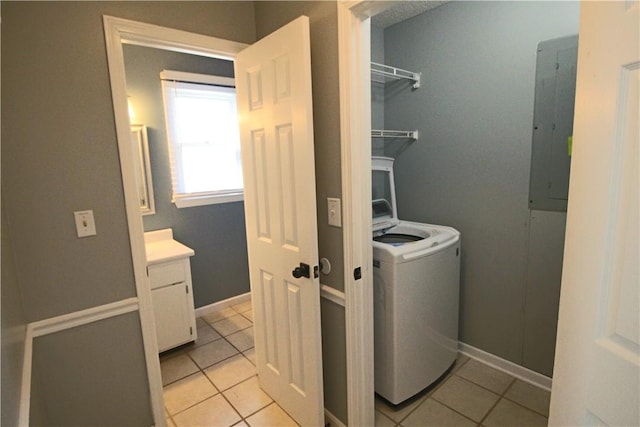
[416,288]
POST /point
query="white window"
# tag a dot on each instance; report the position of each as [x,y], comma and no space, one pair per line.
[204,139]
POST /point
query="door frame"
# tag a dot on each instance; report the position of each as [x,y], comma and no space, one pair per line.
[117,32]
[354,55]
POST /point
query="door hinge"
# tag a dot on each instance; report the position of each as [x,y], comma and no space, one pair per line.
[186,288]
[191,331]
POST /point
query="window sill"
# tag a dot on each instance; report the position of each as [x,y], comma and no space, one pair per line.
[209,199]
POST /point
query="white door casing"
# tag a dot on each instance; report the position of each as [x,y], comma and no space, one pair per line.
[354,51]
[273,86]
[597,363]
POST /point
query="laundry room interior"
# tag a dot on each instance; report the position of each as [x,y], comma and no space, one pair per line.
[463,159]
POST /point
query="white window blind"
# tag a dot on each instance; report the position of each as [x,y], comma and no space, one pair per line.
[203,137]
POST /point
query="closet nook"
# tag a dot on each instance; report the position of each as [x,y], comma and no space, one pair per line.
[385,73]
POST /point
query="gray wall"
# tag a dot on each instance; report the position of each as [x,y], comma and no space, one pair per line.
[59,155]
[470,168]
[326,121]
[69,360]
[334,351]
[13,332]
[545,250]
[216,233]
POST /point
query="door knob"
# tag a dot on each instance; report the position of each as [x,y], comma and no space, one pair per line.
[302,271]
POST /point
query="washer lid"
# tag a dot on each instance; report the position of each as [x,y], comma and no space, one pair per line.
[383,194]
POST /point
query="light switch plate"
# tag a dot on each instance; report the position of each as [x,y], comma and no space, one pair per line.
[85,225]
[334,211]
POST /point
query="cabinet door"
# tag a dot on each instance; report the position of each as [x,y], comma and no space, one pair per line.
[171,310]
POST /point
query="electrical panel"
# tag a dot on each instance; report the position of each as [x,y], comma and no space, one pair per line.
[552,143]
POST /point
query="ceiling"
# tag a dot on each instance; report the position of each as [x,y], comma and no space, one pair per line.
[403,10]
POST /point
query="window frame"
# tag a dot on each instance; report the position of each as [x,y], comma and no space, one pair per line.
[185,200]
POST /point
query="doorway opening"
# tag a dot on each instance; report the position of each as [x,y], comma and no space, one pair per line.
[424,157]
[119,32]
[275,94]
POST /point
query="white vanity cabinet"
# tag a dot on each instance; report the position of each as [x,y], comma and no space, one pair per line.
[171,290]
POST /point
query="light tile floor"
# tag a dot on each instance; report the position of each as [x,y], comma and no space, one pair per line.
[470,394]
[213,382]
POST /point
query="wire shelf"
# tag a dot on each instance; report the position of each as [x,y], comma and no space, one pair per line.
[388,72]
[383,133]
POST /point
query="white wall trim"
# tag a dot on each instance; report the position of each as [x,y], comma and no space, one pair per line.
[25,389]
[506,366]
[149,35]
[332,294]
[220,305]
[57,324]
[82,317]
[354,56]
[118,31]
[332,420]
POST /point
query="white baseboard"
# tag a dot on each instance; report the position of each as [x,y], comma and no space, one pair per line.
[506,366]
[217,306]
[332,420]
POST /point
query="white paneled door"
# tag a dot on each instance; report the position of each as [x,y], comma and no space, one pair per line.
[273,83]
[596,377]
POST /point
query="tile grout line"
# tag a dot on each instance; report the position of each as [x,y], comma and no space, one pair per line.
[273,402]
[242,418]
[429,394]
[192,406]
[484,387]
[208,379]
[390,419]
[201,370]
[476,384]
[456,411]
[526,407]
[513,381]
[503,395]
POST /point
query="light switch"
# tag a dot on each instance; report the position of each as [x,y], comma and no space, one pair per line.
[85,225]
[335,215]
